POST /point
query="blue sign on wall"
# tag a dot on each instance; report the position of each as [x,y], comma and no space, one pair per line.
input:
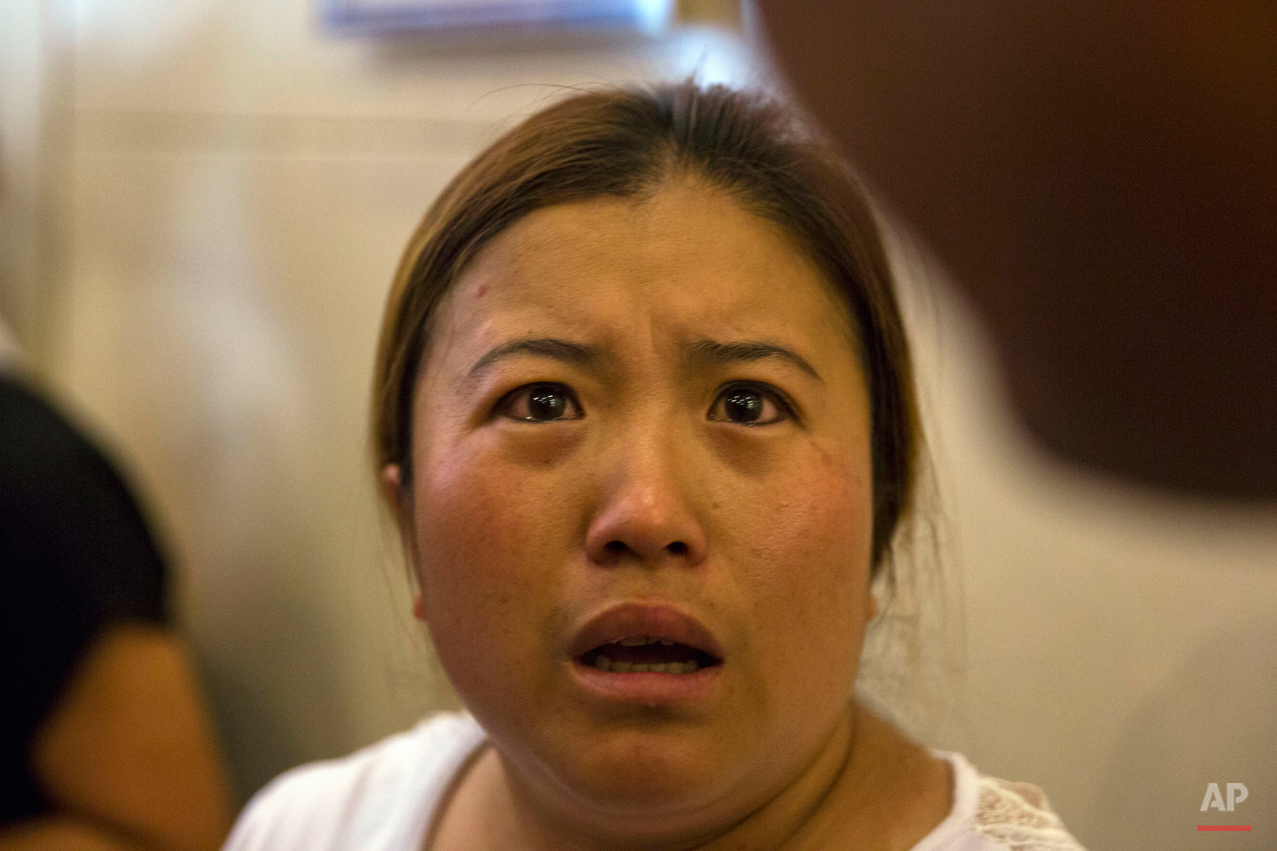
[373,16]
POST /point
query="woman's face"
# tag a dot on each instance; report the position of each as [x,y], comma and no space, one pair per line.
[641,436]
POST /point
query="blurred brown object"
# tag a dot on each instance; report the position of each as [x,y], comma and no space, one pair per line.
[1101,178]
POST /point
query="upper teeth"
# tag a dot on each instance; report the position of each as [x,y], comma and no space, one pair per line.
[640,640]
[603,663]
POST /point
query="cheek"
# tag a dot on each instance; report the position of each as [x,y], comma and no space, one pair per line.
[811,571]
[483,559]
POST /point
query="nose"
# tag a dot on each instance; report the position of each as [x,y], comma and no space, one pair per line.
[645,514]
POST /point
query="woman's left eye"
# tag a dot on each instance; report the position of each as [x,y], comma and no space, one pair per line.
[748,404]
[540,403]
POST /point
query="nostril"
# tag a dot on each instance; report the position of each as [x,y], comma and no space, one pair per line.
[620,548]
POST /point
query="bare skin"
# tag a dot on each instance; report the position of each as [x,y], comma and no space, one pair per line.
[635,480]
[129,754]
[888,799]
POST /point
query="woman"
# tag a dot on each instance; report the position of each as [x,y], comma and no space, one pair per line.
[644,413]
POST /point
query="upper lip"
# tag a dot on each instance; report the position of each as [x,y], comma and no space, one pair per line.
[659,620]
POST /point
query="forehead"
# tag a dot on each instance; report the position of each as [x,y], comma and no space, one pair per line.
[687,260]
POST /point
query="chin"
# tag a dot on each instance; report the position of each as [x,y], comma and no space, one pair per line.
[643,773]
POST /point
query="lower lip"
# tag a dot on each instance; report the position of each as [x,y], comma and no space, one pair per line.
[646,688]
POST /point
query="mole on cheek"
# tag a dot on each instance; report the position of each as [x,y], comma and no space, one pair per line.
[483,289]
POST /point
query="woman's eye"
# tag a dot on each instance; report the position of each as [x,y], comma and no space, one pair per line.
[540,403]
[749,405]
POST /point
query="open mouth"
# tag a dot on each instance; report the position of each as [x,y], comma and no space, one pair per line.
[643,654]
[663,653]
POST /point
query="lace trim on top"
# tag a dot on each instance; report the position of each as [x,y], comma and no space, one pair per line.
[1018,816]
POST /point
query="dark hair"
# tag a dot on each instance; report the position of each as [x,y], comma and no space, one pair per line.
[628,143]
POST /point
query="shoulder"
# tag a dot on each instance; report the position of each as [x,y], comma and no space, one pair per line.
[1019,816]
[380,797]
[990,814]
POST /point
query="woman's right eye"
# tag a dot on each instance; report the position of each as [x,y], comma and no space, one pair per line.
[540,403]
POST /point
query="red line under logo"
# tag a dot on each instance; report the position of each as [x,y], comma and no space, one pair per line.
[1223,827]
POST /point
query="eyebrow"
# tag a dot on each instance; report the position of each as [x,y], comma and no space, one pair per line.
[714,353]
[700,352]
[546,347]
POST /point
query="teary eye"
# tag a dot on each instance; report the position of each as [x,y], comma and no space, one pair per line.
[750,404]
[540,403]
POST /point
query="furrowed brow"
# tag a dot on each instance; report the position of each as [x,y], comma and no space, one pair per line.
[714,353]
[545,347]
